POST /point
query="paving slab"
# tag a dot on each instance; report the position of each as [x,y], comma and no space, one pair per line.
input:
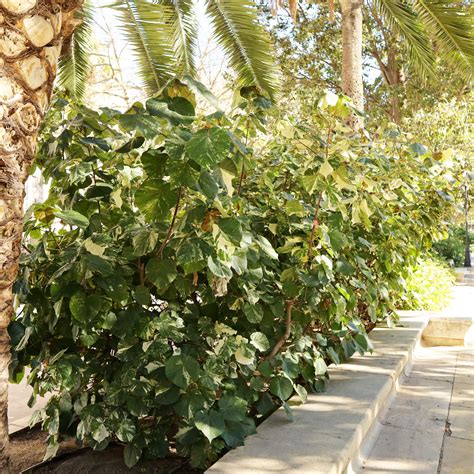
[461,421]
[458,456]
[463,394]
[435,363]
[19,414]
[413,431]
[421,404]
[404,450]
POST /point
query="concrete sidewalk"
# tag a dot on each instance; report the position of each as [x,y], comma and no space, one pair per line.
[462,304]
[19,414]
[429,428]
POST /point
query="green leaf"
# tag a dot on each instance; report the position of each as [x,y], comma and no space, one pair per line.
[267,247]
[244,355]
[155,199]
[167,395]
[192,255]
[295,208]
[94,141]
[302,393]
[84,308]
[74,66]
[108,320]
[451,27]
[181,370]
[401,18]
[126,431]
[310,182]
[131,455]
[253,312]
[208,146]
[138,122]
[231,228]
[245,42]
[200,88]
[144,242]
[100,433]
[233,408]
[154,162]
[161,272]
[208,185]
[281,387]
[418,149]
[73,218]
[97,264]
[177,109]
[16,331]
[326,169]
[260,341]
[185,32]
[147,28]
[344,267]
[236,431]
[211,424]
[218,268]
[132,144]
[320,366]
[288,411]
[142,295]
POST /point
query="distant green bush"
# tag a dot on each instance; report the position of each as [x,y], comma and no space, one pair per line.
[429,285]
[453,247]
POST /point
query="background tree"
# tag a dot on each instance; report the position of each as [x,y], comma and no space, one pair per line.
[397,40]
[424,30]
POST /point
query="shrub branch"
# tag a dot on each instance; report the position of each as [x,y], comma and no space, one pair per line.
[284,338]
[171,227]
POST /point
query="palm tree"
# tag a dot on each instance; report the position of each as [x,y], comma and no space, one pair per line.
[32,38]
[163,34]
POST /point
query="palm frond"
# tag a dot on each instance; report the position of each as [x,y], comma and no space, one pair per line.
[401,18]
[451,26]
[148,28]
[245,43]
[184,26]
[74,64]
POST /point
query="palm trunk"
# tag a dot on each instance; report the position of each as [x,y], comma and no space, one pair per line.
[31,38]
[352,84]
[467,243]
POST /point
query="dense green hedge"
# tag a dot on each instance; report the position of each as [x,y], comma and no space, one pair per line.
[188,274]
[452,249]
[429,285]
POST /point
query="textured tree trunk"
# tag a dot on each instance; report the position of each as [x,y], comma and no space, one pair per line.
[352,84]
[32,35]
[467,243]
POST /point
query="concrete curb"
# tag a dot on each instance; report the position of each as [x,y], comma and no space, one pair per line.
[333,430]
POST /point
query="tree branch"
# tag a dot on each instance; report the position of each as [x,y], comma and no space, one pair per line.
[284,338]
[171,227]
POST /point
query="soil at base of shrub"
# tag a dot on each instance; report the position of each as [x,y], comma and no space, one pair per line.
[27,449]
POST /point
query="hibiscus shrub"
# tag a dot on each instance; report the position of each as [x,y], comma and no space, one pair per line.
[189,274]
